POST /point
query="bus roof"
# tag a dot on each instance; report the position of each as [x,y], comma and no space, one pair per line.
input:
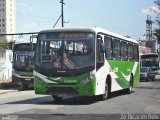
[94,29]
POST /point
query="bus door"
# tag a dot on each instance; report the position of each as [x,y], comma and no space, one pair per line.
[100,69]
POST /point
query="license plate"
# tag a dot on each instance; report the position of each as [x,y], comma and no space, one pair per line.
[28,79]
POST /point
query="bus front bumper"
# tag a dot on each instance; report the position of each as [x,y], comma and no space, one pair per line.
[61,89]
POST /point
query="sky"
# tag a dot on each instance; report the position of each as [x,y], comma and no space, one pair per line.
[125,17]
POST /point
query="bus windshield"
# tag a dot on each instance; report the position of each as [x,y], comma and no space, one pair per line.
[23,60]
[150,60]
[62,51]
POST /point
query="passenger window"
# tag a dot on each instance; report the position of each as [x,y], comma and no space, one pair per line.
[116,49]
[108,47]
[124,55]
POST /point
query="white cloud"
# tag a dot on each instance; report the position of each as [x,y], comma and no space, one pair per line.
[151,10]
[30,25]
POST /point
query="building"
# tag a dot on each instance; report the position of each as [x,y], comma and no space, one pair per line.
[7,19]
[7,26]
[149,46]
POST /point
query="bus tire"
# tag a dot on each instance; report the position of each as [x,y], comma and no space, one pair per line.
[107,92]
[130,89]
[57,98]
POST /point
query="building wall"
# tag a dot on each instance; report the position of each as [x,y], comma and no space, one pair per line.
[5,65]
[7,18]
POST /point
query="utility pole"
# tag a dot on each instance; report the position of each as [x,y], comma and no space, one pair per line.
[62,3]
[148,28]
[62,15]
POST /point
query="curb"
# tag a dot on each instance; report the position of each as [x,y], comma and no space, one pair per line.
[7,91]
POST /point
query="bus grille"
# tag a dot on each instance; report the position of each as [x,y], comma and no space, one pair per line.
[61,90]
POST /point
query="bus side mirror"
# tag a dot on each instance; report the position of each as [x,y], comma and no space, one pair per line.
[101,44]
[103,48]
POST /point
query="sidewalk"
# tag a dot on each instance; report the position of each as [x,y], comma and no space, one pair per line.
[7,87]
[7,91]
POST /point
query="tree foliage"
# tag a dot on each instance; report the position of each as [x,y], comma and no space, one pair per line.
[5,45]
[157,21]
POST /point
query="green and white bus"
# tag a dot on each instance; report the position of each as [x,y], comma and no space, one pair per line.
[22,65]
[84,62]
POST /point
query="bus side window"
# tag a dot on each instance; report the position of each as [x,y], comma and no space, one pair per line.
[136,57]
[100,52]
[130,51]
[117,48]
[113,48]
[108,47]
[124,50]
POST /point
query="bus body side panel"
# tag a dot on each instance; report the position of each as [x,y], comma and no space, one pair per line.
[121,73]
[137,75]
[100,80]
[78,85]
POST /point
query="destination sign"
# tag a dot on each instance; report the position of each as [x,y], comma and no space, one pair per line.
[24,47]
[67,35]
[72,35]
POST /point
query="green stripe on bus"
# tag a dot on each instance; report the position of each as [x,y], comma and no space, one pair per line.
[122,69]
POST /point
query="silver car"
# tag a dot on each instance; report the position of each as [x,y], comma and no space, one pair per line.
[156,70]
[146,74]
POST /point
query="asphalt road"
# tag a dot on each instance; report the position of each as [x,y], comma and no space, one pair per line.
[144,100]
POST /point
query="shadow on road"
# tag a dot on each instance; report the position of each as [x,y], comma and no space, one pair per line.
[48,100]
[149,85]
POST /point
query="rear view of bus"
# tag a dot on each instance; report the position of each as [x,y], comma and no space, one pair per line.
[73,62]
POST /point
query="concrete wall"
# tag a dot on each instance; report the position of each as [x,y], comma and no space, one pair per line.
[5,66]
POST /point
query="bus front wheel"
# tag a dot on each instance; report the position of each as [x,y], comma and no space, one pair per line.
[130,89]
[106,94]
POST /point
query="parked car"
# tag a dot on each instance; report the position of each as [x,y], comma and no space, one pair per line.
[146,74]
[156,70]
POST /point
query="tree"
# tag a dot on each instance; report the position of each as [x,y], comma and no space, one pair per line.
[6,45]
[157,21]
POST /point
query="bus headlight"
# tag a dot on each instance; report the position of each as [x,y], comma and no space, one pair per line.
[88,79]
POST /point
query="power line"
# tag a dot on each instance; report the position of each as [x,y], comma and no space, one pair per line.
[12,34]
